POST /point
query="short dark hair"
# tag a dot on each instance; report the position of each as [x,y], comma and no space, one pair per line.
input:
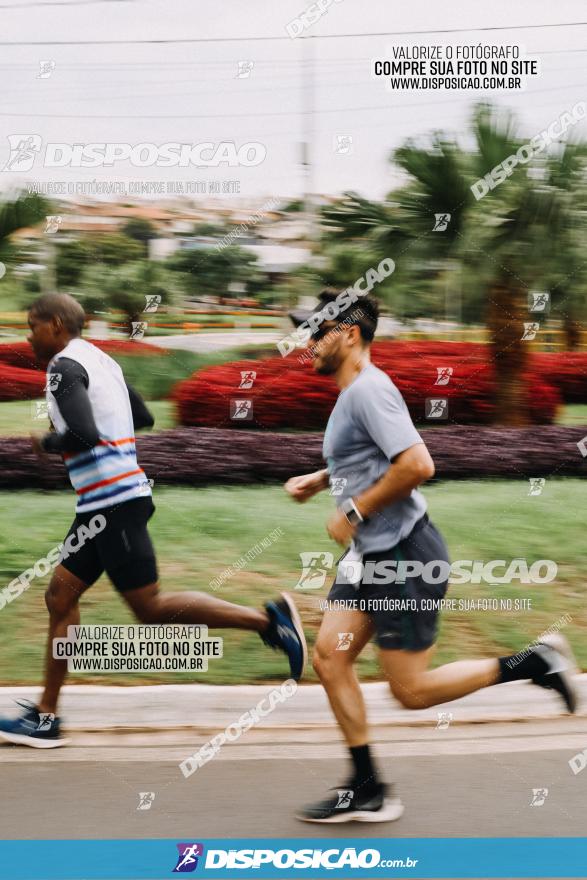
[364,313]
[63,306]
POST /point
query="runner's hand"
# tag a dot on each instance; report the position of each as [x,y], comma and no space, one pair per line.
[304,487]
[340,529]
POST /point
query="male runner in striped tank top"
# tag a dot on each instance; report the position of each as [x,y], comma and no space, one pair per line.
[95,415]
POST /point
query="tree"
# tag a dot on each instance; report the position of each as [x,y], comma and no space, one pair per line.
[117,248]
[356,217]
[210,271]
[140,230]
[526,233]
[124,288]
[209,230]
[296,206]
[521,237]
[73,257]
[17,213]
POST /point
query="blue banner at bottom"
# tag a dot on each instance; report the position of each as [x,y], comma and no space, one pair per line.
[294,857]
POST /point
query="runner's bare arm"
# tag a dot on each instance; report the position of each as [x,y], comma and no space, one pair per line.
[304,487]
[408,470]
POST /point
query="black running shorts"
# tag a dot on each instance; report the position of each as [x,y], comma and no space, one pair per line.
[403,614]
[114,540]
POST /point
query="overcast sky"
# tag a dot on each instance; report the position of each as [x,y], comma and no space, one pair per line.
[189,91]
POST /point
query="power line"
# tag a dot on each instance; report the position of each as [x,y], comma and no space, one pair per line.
[60,96]
[256,39]
[59,3]
[61,91]
[52,98]
[260,62]
[286,134]
[512,27]
[249,114]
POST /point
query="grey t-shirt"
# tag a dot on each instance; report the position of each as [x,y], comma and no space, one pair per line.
[369,426]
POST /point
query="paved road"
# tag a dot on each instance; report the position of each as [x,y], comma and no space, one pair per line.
[477,781]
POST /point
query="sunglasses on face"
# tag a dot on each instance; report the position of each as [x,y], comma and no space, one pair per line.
[322,332]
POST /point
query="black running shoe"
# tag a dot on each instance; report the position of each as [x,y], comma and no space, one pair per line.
[285,633]
[33,728]
[346,805]
[556,651]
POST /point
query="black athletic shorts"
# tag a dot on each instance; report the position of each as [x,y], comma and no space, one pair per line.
[114,540]
[403,614]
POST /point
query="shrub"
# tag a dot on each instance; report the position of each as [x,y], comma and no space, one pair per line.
[20,354]
[153,371]
[22,376]
[567,370]
[19,384]
[196,456]
[287,394]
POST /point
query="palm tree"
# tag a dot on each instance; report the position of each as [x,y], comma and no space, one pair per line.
[525,233]
[565,178]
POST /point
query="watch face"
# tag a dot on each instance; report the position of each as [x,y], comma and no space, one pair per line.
[350,512]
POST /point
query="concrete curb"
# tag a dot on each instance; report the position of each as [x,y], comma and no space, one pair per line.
[211,708]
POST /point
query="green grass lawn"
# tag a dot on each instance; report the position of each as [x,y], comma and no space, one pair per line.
[198,533]
[17,417]
[573,414]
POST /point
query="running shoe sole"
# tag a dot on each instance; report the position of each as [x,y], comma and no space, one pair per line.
[298,627]
[560,644]
[389,812]
[21,740]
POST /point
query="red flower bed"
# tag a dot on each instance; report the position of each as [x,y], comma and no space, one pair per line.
[17,384]
[22,376]
[567,370]
[288,394]
[20,354]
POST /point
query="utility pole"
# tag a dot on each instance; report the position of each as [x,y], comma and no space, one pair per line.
[48,275]
[308,95]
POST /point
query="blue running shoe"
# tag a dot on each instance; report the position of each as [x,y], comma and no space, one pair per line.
[285,633]
[40,730]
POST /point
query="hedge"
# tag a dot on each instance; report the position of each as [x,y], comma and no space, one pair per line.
[22,376]
[288,394]
[20,384]
[196,456]
[567,370]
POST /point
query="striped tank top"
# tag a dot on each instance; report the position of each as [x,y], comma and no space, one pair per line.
[108,474]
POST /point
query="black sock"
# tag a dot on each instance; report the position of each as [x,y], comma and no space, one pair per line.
[365,775]
[522,665]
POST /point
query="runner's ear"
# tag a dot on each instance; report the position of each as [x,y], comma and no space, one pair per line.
[57,322]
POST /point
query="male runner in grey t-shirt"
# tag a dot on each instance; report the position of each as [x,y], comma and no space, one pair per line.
[360,441]
[396,564]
